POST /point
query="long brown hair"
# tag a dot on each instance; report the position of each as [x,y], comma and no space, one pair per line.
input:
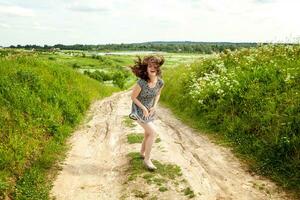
[140,66]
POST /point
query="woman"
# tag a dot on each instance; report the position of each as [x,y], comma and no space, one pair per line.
[145,96]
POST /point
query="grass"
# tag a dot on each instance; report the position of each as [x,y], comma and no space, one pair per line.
[128,122]
[153,198]
[136,168]
[164,174]
[163,189]
[41,103]
[86,60]
[157,140]
[140,194]
[159,181]
[247,99]
[135,138]
[138,138]
[188,192]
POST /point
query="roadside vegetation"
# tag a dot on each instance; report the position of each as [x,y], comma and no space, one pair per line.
[41,102]
[249,99]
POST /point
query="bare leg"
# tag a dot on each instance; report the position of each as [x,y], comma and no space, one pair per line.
[149,140]
[142,151]
[148,145]
[143,147]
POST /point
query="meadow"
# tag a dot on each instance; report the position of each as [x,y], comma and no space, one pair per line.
[247,99]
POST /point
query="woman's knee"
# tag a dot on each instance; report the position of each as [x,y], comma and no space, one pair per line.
[152,131]
[146,134]
[153,134]
[149,133]
[149,129]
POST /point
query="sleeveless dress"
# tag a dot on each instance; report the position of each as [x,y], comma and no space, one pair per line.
[146,97]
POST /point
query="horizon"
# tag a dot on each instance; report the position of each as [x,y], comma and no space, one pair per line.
[187,41]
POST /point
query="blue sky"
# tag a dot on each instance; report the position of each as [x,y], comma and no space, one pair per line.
[125,21]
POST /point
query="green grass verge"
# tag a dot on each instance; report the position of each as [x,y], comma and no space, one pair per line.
[41,102]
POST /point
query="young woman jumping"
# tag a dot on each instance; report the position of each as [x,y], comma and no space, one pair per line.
[145,96]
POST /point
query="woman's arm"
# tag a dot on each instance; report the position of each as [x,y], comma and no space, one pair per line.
[135,92]
[157,97]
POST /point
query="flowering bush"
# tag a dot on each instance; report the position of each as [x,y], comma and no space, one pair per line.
[252,97]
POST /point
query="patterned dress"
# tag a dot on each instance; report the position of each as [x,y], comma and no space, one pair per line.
[147,98]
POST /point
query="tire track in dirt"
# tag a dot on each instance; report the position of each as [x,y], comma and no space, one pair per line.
[95,167]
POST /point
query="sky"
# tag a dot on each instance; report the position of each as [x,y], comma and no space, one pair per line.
[131,21]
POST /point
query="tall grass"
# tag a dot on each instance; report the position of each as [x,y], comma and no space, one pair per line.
[40,103]
[250,98]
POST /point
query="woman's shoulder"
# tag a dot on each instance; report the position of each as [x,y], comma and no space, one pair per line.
[141,82]
[161,81]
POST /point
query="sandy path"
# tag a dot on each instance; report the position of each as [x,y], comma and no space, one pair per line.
[95,167]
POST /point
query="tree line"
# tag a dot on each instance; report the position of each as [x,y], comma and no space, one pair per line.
[172,47]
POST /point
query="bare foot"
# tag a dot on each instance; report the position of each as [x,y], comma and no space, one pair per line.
[149,165]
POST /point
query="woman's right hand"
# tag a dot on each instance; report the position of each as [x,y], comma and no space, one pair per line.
[145,112]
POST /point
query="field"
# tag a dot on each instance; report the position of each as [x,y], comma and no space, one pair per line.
[246,99]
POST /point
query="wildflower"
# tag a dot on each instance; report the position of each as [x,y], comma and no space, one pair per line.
[200,101]
[220,91]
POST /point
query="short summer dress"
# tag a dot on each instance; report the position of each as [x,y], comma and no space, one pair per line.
[146,97]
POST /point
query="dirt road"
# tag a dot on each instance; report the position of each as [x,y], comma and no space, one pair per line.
[97,165]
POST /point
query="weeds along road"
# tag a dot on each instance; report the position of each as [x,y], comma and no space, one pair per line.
[98,166]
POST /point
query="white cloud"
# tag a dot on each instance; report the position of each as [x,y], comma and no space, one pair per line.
[87,8]
[42,27]
[4,25]
[13,10]
[90,5]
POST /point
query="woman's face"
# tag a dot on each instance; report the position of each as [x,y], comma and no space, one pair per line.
[152,68]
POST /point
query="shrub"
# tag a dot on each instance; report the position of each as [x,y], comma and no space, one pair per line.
[250,96]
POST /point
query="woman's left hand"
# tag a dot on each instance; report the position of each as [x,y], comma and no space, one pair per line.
[152,110]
